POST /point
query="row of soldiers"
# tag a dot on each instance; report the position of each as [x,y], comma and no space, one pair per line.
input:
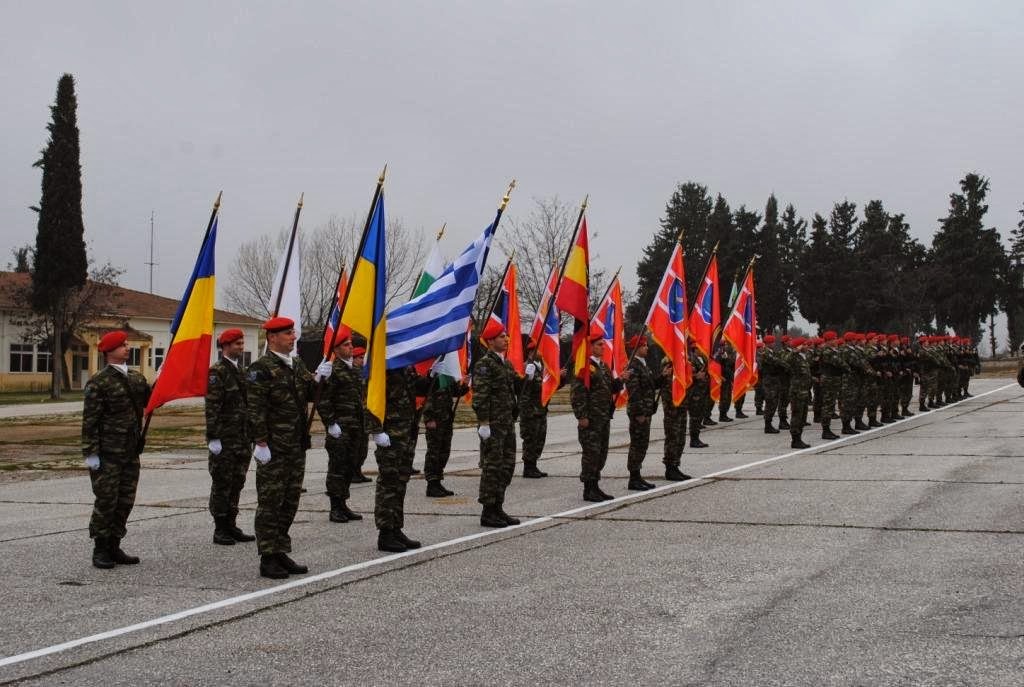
[262,413]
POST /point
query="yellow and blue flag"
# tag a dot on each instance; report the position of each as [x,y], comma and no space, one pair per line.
[364,307]
[186,368]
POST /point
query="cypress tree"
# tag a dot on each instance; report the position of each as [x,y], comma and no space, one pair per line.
[60,262]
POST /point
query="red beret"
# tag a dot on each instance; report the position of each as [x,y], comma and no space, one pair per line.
[637,340]
[786,338]
[596,333]
[894,338]
[229,335]
[344,334]
[492,329]
[850,336]
[769,339]
[278,324]
[904,340]
[358,350]
[797,341]
[111,340]
[828,336]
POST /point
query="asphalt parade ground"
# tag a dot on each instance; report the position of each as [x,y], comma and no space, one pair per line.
[894,557]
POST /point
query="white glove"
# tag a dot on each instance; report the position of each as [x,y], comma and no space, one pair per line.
[531,370]
[261,454]
[382,439]
[324,370]
[334,430]
[93,462]
[484,431]
[216,447]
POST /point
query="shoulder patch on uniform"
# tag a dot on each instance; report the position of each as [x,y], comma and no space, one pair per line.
[213,379]
[481,368]
[253,376]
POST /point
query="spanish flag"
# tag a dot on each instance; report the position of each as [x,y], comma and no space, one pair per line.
[364,307]
[185,369]
[574,298]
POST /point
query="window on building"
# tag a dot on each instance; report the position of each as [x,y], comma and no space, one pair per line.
[21,357]
[134,357]
[156,358]
[44,360]
[246,358]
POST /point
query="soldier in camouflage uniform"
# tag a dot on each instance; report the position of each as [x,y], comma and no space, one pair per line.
[697,397]
[278,389]
[726,357]
[796,360]
[863,374]
[928,371]
[227,437]
[111,443]
[533,415]
[341,410]
[907,361]
[674,420]
[832,367]
[439,425]
[593,407]
[969,364]
[363,447]
[496,404]
[771,380]
[642,387]
[850,389]
[394,454]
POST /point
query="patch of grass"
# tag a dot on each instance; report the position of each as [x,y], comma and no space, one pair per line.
[27,397]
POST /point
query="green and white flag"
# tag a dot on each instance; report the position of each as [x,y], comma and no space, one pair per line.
[431,271]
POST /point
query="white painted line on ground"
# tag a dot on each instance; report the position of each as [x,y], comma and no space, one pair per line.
[313,579]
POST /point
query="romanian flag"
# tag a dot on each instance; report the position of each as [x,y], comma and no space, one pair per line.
[332,319]
[573,299]
[186,368]
[506,313]
[705,320]
[667,323]
[537,328]
[609,318]
[364,308]
[741,331]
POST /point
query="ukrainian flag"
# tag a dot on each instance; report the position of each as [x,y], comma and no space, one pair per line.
[186,368]
[364,307]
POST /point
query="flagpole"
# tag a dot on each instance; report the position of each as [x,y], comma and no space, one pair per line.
[174,334]
[654,300]
[718,334]
[341,306]
[497,293]
[288,257]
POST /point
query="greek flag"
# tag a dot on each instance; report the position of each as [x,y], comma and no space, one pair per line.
[434,323]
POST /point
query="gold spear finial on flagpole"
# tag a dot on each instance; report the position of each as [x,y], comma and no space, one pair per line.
[508,195]
[586,199]
[383,173]
[301,197]
[440,232]
[216,203]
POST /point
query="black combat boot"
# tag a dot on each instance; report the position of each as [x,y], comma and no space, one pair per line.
[783,422]
[872,421]
[708,422]
[235,532]
[636,482]
[590,492]
[768,428]
[349,513]
[509,520]
[858,423]
[531,471]
[758,410]
[722,417]
[101,557]
[827,433]
[437,490]
[291,566]
[221,534]
[118,554]
[337,514]
[740,415]
[491,517]
[271,567]
[599,492]
[695,442]
[847,429]
[408,543]
[674,474]
[360,478]
[816,418]
[798,442]
[906,412]
[386,541]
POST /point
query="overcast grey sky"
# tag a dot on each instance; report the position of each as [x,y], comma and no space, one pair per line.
[815,101]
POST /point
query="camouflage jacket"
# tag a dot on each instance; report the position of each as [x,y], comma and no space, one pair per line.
[598,402]
[665,386]
[642,387]
[342,398]
[529,393]
[858,362]
[799,370]
[494,390]
[771,364]
[440,403]
[277,396]
[833,363]
[402,388]
[226,414]
[112,413]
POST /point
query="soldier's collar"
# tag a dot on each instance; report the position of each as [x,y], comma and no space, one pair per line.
[287,359]
[230,360]
[120,367]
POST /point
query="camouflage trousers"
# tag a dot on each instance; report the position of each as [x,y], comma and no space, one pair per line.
[963,380]
[533,430]
[639,440]
[948,380]
[905,390]
[725,399]
[341,460]
[890,399]
[439,449]
[929,386]
[497,463]
[227,477]
[738,405]
[698,405]
[869,395]
[278,488]
[848,397]
[675,434]
[829,392]
[774,399]
[114,485]
[798,400]
[394,466]
[362,452]
[817,400]
[594,442]
[759,396]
